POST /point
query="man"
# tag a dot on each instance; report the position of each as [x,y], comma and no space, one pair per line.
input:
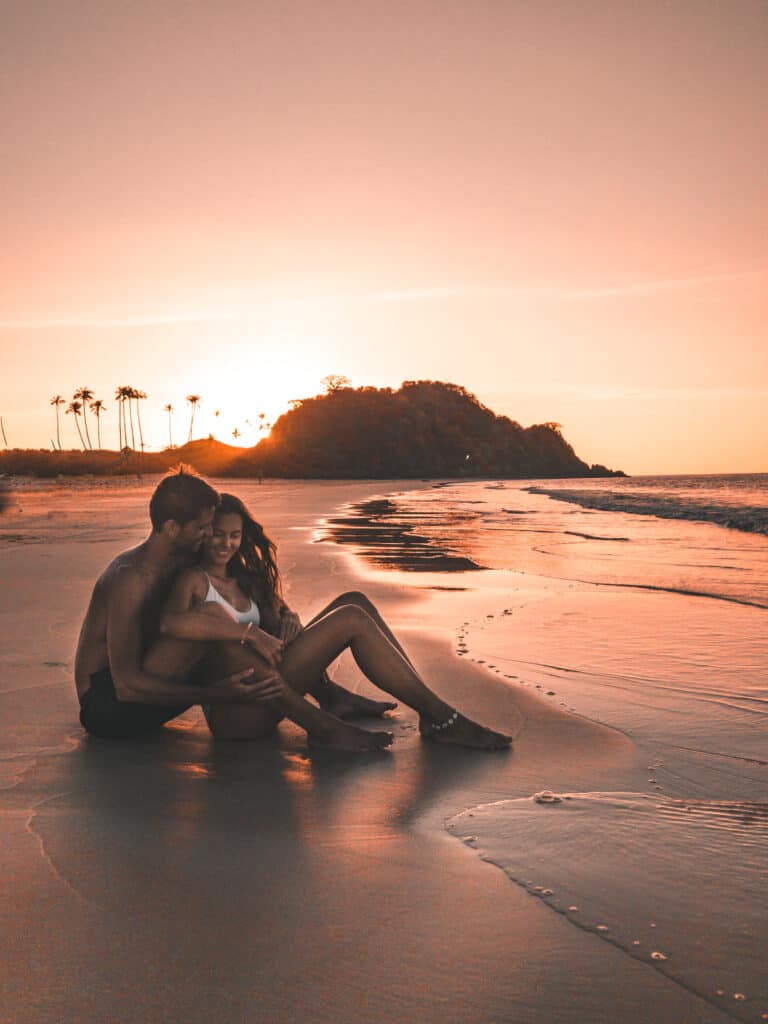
[118,698]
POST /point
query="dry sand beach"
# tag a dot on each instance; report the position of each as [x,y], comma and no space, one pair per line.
[174,878]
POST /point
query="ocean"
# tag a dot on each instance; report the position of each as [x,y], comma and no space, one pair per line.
[641,603]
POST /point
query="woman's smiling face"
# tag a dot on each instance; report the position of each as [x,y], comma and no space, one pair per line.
[224,542]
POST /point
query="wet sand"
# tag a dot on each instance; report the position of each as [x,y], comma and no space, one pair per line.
[174,878]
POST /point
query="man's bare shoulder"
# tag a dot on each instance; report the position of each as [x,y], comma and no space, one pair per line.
[126,572]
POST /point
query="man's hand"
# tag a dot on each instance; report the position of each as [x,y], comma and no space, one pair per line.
[243,688]
[290,626]
[270,648]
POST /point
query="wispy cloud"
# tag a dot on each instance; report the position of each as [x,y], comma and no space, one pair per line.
[103,323]
[274,301]
[672,284]
[556,292]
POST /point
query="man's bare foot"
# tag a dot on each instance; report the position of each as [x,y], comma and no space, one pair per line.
[344,704]
[461,732]
[342,736]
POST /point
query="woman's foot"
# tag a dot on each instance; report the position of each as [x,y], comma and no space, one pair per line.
[459,731]
[342,736]
[344,704]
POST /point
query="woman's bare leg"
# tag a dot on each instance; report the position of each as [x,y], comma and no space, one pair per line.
[334,698]
[358,598]
[349,626]
[253,721]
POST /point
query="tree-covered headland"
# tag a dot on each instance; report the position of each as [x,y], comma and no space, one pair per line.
[422,429]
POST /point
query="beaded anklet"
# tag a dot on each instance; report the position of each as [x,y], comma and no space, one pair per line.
[445,725]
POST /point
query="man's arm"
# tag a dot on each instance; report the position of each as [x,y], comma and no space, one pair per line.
[125,646]
[186,617]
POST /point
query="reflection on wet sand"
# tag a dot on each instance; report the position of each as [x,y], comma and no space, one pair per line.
[386,533]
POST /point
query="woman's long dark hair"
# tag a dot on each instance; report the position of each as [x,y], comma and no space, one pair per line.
[254,565]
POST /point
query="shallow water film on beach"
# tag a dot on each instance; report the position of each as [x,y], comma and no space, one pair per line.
[630,602]
[672,882]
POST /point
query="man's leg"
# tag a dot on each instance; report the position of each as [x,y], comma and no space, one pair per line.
[104,716]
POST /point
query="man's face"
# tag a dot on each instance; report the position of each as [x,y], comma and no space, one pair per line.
[191,536]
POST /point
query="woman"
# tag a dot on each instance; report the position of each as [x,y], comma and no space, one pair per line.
[233,594]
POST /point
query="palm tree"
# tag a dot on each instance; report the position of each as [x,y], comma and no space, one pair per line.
[84,395]
[57,400]
[193,400]
[97,408]
[118,399]
[75,408]
[129,393]
[122,396]
[139,396]
[169,409]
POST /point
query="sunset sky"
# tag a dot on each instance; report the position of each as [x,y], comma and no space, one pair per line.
[559,205]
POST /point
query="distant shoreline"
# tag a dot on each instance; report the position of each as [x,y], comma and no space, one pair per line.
[208,457]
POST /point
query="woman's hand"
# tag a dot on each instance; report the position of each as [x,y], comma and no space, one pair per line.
[290,626]
[270,648]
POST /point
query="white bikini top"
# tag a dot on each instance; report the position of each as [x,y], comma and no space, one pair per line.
[251,615]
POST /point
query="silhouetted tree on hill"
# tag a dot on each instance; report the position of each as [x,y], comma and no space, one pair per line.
[335,382]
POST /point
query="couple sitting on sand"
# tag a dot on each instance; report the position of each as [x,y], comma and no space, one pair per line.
[193,615]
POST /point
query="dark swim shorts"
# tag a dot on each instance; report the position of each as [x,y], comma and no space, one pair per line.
[103,715]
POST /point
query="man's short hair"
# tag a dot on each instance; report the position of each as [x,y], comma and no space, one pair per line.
[181,496]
